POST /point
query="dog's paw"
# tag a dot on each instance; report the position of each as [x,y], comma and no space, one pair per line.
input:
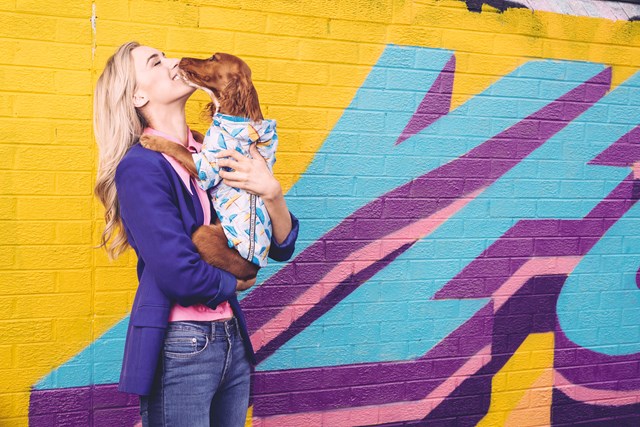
[144,141]
[155,143]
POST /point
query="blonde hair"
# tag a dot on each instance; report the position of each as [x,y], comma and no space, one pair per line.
[117,126]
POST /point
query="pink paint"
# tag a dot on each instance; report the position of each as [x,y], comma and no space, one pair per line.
[387,413]
[355,262]
[534,267]
[594,396]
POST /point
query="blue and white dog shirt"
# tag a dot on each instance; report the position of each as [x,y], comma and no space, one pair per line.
[243,216]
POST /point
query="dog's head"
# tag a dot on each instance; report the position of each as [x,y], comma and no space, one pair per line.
[228,79]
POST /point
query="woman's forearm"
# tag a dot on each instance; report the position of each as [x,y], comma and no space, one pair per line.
[279,214]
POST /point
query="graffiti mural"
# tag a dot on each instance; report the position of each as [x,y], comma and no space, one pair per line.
[626,10]
[451,265]
[501,5]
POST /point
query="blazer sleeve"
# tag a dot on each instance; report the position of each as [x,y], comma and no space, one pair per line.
[150,213]
[283,251]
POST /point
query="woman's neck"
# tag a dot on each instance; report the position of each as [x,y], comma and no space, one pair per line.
[171,122]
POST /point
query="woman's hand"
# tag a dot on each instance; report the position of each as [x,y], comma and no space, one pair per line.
[243,285]
[252,175]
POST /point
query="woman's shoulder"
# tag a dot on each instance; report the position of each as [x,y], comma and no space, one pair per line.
[137,154]
[138,157]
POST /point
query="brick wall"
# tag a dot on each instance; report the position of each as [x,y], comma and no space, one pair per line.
[469,234]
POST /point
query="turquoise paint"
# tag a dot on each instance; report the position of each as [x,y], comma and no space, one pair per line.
[99,363]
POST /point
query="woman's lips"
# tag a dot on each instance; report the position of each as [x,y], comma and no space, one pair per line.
[183,76]
[180,75]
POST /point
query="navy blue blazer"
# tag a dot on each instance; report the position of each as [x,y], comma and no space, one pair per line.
[159,216]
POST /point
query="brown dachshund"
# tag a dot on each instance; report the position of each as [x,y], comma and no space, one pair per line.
[227,79]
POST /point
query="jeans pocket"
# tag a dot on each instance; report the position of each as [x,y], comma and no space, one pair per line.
[181,345]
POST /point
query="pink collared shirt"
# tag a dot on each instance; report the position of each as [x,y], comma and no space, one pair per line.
[198,312]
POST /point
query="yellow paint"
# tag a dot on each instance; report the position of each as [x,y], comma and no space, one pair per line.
[515,389]
[534,409]
[308,60]
[249,421]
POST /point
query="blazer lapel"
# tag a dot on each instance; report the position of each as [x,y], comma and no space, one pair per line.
[195,201]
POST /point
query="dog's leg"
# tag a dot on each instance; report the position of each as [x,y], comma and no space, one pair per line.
[211,243]
[177,151]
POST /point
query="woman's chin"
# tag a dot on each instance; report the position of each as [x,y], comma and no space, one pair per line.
[183,91]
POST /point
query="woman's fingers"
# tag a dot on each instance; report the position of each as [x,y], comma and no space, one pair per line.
[233,160]
[243,285]
[249,174]
[231,153]
[255,153]
[237,174]
[231,164]
[238,181]
[234,180]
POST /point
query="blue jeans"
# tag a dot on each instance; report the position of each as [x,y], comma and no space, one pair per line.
[202,379]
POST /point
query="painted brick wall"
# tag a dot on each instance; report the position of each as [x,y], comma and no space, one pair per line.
[469,240]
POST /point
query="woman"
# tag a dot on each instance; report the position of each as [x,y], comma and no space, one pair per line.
[187,352]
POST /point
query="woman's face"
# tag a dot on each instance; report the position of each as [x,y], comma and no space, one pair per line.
[156,78]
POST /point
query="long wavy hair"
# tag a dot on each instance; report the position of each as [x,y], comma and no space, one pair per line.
[117,125]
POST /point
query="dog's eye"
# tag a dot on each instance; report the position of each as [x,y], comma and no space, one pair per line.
[213,58]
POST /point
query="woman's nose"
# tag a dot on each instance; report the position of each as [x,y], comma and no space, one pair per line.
[170,63]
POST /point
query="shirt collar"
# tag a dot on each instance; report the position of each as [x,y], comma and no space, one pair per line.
[193,146]
[243,129]
[192,143]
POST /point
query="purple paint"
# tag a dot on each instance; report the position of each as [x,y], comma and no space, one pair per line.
[421,198]
[310,389]
[623,152]
[93,406]
[531,309]
[435,104]
[466,406]
[596,370]
[278,392]
[551,238]
[585,367]
[333,298]
[356,383]
[568,412]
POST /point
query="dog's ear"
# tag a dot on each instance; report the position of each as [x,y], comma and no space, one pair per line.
[253,104]
[241,98]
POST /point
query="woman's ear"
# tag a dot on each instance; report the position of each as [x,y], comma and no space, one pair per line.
[139,100]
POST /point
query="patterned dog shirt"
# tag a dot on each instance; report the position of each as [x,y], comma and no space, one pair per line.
[243,216]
